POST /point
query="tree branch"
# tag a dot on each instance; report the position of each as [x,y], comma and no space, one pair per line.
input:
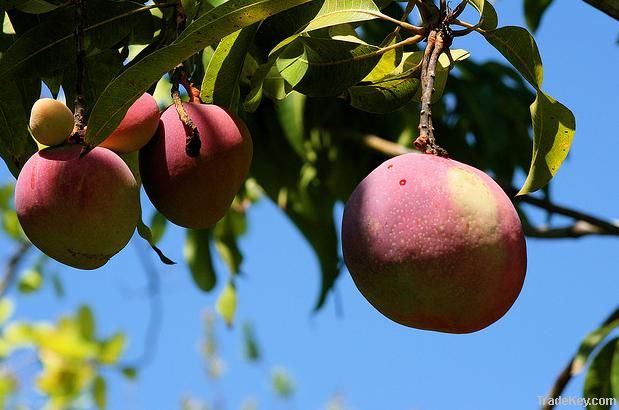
[566,374]
[11,267]
[155,315]
[609,7]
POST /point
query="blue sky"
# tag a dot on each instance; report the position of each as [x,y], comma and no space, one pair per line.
[371,362]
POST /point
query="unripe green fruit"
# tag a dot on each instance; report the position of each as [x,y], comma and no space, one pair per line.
[51,121]
[79,211]
[196,192]
[434,244]
[136,128]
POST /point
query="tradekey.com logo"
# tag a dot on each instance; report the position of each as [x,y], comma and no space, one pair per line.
[576,401]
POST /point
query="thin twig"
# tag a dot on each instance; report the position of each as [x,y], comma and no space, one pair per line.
[155,315]
[566,374]
[11,267]
[77,136]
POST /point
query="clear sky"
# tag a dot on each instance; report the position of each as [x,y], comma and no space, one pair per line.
[371,362]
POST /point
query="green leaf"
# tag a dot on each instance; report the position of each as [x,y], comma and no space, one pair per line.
[31,6]
[325,67]
[225,234]
[589,343]
[158,224]
[291,114]
[226,303]
[146,234]
[519,48]
[10,224]
[282,383]
[129,372]
[553,131]
[86,322]
[211,27]
[250,346]
[30,281]
[382,97]
[221,79]
[442,71]
[334,12]
[597,381]
[534,11]
[198,256]
[16,144]
[614,373]
[111,349]
[6,310]
[50,46]
[99,391]
[487,12]
[57,284]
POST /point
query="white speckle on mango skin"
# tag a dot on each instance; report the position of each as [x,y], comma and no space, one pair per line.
[443,251]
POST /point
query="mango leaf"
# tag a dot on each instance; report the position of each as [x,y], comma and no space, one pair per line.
[282,383]
[589,343]
[146,234]
[225,235]
[519,48]
[487,13]
[226,303]
[86,322]
[129,372]
[334,12]
[158,224]
[387,64]
[198,256]
[250,346]
[597,382]
[111,349]
[324,67]
[221,79]
[442,71]
[534,11]
[6,310]
[50,46]
[382,97]
[259,80]
[16,144]
[30,281]
[290,112]
[31,6]
[277,168]
[99,390]
[553,131]
[614,373]
[211,27]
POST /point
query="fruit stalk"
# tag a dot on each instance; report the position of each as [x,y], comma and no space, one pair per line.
[192,142]
[426,142]
[77,135]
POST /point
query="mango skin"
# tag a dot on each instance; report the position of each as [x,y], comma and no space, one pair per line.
[79,211]
[434,244]
[136,128]
[196,192]
[51,121]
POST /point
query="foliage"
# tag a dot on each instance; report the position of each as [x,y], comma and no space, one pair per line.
[313,80]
